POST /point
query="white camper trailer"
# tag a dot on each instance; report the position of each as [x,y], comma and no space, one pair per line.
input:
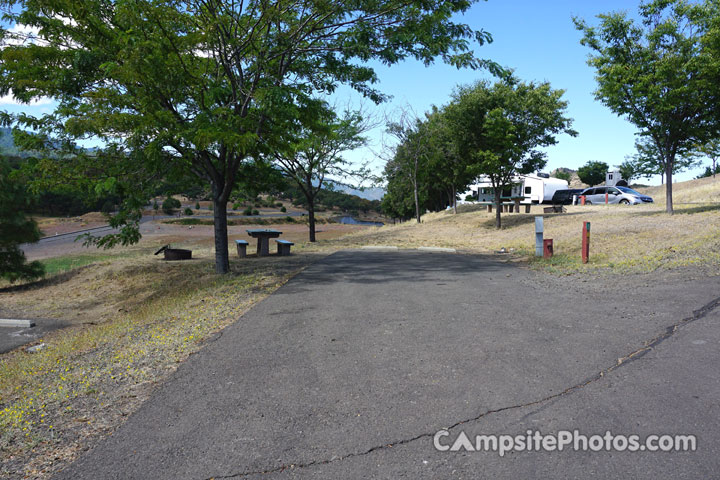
[538,188]
[614,179]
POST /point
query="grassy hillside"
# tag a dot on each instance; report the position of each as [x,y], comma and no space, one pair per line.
[702,190]
[623,238]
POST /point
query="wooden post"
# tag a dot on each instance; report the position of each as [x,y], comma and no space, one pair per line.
[582,199]
[606,198]
[548,248]
[490,208]
[517,205]
[527,208]
[585,242]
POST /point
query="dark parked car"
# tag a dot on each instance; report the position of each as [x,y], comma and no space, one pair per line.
[565,197]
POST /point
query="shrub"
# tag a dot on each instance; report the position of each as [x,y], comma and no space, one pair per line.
[188,211]
[107,207]
[255,212]
[593,172]
[197,205]
[563,175]
[283,209]
[170,204]
[248,211]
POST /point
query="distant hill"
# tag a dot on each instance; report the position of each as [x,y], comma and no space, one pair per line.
[574,179]
[368,193]
[7,145]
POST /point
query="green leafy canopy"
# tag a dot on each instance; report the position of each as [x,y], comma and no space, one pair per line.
[178,88]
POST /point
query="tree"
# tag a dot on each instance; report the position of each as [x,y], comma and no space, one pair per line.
[410,152]
[195,87]
[15,229]
[319,138]
[659,75]
[648,161]
[562,175]
[169,205]
[448,168]
[709,172]
[711,150]
[501,128]
[399,198]
[593,172]
[628,170]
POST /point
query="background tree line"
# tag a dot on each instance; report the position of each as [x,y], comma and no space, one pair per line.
[496,130]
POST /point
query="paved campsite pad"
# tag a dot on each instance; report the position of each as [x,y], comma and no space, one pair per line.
[13,337]
[366,349]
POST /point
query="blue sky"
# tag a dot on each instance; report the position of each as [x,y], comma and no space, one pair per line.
[535,38]
[539,41]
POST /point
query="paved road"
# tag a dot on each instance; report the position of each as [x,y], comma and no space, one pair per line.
[68,239]
[350,369]
[13,337]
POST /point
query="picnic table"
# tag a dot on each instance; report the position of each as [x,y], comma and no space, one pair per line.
[263,240]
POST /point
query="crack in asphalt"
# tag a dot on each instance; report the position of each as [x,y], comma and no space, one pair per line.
[627,359]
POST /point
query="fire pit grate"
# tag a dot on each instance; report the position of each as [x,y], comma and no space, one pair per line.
[175,253]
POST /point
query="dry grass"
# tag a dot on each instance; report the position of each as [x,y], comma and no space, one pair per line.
[702,191]
[623,238]
[135,318]
[58,225]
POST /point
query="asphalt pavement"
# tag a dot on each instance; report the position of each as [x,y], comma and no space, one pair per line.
[13,337]
[352,367]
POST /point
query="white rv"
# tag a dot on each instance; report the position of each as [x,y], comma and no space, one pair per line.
[614,178]
[538,188]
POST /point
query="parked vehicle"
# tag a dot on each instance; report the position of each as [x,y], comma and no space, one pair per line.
[538,188]
[565,197]
[621,195]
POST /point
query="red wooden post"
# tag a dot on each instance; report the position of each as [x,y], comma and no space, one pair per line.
[582,199]
[547,248]
[606,198]
[585,242]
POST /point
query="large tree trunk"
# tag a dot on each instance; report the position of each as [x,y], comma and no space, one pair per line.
[417,201]
[311,218]
[498,207]
[668,185]
[222,259]
[454,199]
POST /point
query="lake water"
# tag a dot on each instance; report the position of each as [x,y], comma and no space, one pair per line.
[352,221]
